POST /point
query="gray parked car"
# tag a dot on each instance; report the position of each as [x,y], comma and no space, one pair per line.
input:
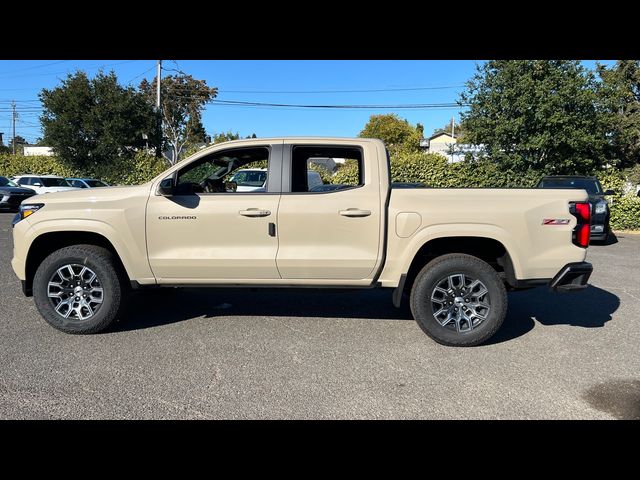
[87,183]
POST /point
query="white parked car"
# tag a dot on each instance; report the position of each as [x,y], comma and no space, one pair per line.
[43,183]
[255,180]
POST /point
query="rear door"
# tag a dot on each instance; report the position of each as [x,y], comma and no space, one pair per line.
[330,231]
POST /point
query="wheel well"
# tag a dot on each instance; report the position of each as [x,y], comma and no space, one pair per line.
[47,243]
[487,249]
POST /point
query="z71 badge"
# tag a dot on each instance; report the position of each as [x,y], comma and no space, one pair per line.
[555,221]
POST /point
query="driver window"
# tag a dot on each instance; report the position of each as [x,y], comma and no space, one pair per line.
[241,170]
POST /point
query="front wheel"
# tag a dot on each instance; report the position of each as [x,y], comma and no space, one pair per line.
[78,289]
[459,300]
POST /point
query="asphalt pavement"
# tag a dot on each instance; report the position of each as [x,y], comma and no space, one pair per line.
[306,354]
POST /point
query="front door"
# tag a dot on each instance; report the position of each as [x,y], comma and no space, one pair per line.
[207,230]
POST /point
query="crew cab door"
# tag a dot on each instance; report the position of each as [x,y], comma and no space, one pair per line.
[334,230]
[204,232]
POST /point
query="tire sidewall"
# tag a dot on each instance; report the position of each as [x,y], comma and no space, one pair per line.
[106,274]
[422,308]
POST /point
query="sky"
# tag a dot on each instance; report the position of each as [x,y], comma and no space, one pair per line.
[309,82]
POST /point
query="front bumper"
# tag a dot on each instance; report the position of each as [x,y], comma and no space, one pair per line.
[572,277]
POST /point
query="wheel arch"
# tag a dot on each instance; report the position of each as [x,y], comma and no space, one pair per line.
[46,243]
[488,249]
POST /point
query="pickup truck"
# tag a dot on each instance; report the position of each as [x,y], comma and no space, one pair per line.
[453,252]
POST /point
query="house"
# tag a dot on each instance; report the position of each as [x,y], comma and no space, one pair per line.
[37,151]
[441,142]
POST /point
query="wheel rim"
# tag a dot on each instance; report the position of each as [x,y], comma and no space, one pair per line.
[75,292]
[460,302]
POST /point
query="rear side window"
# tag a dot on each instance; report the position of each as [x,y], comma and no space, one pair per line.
[326,168]
[25,181]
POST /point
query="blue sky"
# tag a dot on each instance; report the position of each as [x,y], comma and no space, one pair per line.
[440,81]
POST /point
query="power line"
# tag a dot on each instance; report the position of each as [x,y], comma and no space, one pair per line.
[67,71]
[143,73]
[36,66]
[403,106]
[400,89]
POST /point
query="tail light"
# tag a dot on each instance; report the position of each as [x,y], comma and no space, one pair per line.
[582,211]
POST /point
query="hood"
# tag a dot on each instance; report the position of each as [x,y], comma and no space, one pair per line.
[19,190]
[89,195]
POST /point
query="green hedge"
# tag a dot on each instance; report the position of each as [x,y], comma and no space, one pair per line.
[429,168]
[123,171]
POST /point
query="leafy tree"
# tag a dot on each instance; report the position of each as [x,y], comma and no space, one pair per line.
[620,94]
[396,133]
[182,100]
[225,137]
[536,114]
[91,121]
[20,142]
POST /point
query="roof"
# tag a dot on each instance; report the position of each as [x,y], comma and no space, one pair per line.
[37,175]
[442,133]
[588,177]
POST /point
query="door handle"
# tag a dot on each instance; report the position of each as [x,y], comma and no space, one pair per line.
[254,212]
[354,212]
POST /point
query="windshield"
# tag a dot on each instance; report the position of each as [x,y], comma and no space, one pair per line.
[248,178]
[95,183]
[54,182]
[5,182]
[590,185]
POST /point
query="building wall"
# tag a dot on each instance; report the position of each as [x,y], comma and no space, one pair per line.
[35,151]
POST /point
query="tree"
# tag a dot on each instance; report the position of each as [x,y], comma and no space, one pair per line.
[91,121]
[620,94]
[533,114]
[20,142]
[225,137]
[396,133]
[182,100]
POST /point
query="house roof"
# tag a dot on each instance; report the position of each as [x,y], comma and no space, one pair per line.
[440,134]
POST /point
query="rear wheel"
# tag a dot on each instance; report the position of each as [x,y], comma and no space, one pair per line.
[78,289]
[459,300]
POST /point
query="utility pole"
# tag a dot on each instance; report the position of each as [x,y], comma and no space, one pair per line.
[158,76]
[453,131]
[158,111]
[14,117]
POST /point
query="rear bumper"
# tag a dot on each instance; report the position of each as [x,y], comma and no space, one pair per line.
[572,277]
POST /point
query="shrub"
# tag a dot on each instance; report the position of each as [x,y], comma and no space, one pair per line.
[122,171]
[625,213]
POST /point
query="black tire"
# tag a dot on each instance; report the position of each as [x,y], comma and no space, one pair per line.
[100,261]
[423,308]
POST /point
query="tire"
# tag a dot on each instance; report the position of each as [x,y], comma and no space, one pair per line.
[94,260]
[481,322]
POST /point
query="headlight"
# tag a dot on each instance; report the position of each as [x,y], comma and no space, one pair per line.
[601,207]
[28,209]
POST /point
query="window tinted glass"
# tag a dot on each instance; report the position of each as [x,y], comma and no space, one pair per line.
[5,182]
[96,183]
[326,169]
[54,182]
[214,173]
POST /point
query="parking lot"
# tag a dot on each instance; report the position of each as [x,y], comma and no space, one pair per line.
[297,354]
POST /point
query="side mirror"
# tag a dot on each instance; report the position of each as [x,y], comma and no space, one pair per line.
[609,192]
[166,187]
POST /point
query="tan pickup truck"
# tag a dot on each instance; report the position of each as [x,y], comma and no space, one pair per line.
[455,252]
